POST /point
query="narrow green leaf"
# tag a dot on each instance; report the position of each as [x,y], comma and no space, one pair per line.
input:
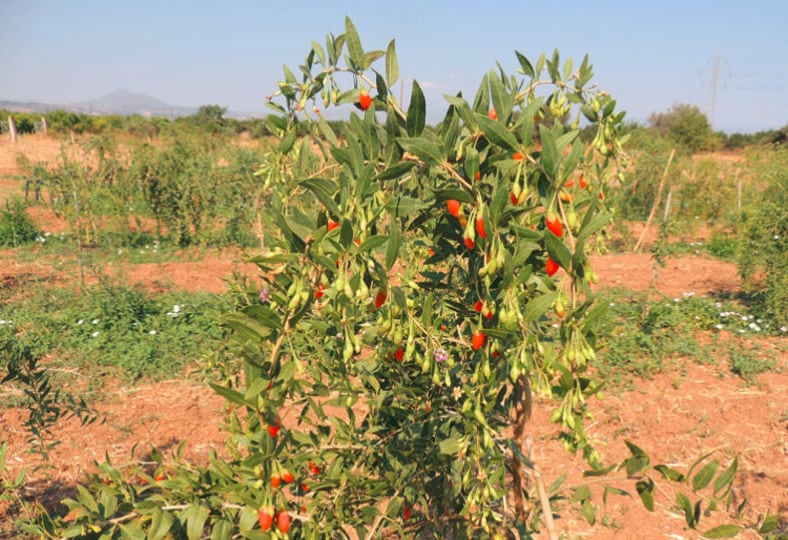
[327,132]
[550,154]
[354,49]
[346,233]
[449,446]
[222,530]
[380,84]
[501,99]
[600,472]
[684,504]
[496,132]
[463,109]
[287,143]
[525,66]
[697,462]
[372,242]
[426,312]
[425,149]
[132,531]
[323,190]
[392,65]
[195,517]
[229,394]
[669,474]
[589,512]
[704,476]
[417,111]
[160,524]
[728,530]
[536,307]
[725,480]
[396,171]
[634,449]
[405,206]
[599,221]
[370,57]
[580,493]
[392,251]
[558,251]
[645,489]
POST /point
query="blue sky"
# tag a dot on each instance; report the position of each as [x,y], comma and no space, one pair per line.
[649,54]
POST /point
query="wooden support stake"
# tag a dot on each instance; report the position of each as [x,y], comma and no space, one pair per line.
[12,128]
[657,200]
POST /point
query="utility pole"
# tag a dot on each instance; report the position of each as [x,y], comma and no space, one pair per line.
[715,79]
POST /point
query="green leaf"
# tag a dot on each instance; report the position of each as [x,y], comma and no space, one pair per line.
[372,242]
[580,493]
[501,99]
[536,307]
[256,324]
[160,524]
[684,504]
[558,251]
[426,312]
[462,107]
[770,522]
[370,57]
[392,251]
[728,530]
[323,190]
[449,446]
[596,224]
[222,530]
[195,517]
[645,489]
[133,531]
[496,132]
[725,480]
[638,462]
[229,394]
[392,64]
[404,206]
[354,49]
[417,111]
[327,132]
[525,66]
[588,511]
[287,143]
[600,472]
[425,149]
[704,476]
[697,462]
[346,233]
[396,171]
[550,155]
[669,474]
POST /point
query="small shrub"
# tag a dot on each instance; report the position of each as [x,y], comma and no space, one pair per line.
[764,235]
[16,226]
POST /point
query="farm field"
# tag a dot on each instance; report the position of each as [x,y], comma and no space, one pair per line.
[684,407]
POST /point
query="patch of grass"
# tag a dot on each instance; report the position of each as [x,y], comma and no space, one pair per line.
[16,227]
[115,326]
[640,336]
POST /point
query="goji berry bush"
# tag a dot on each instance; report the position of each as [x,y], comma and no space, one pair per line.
[417,287]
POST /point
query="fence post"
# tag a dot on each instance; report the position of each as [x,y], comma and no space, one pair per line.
[12,128]
[44,125]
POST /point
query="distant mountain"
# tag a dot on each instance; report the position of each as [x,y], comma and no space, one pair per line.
[120,102]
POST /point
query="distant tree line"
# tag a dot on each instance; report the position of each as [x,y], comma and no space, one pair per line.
[683,125]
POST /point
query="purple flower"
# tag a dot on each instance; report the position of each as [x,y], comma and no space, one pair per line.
[440,355]
[263,296]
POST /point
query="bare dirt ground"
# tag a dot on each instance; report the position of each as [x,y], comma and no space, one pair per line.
[676,416]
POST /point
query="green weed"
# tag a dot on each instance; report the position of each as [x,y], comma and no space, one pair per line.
[641,337]
[115,326]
